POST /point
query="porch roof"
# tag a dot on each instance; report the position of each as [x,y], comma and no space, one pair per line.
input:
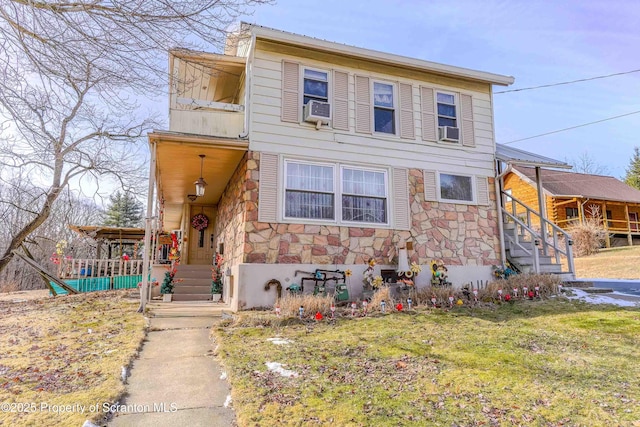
[582,185]
[178,167]
[516,156]
[99,232]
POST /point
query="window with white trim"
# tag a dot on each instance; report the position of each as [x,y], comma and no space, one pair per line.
[311,193]
[447,110]
[456,188]
[315,86]
[364,195]
[384,110]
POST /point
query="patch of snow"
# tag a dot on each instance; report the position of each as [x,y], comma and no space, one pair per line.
[279,341]
[600,299]
[277,368]
[223,376]
[227,401]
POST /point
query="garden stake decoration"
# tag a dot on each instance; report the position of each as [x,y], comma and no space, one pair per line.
[433,301]
[383,306]
[450,300]
[399,306]
[364,306]
[475,295]
[353,308]
[560,288]
[409,302]
[459,302]
[301,311]
[524,291]
[531,294]
[333,311]
[500,294]
[507,297]
[515,292]
[318,316]
[278,310]
[537,288]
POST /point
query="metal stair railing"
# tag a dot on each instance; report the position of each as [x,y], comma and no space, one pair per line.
[548,228]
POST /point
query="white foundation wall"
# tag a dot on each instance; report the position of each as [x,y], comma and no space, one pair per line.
[249,280]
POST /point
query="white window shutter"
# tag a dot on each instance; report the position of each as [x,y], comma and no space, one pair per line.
[340,100]
[290,92]
[430,186]
[482,188]
[428,107]
[401,210]
[407,125]
[363,105]
[268,193]
[468,134]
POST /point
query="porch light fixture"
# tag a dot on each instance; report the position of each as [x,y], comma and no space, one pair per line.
[200,183]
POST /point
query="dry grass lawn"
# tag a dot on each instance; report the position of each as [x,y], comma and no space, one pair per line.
[614,263]
[65,351]
[531,363]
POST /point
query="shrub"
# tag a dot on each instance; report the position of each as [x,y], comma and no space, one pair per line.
[589,236]
[290,304]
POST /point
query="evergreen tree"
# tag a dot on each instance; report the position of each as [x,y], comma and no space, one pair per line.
[632,178]
[123,211]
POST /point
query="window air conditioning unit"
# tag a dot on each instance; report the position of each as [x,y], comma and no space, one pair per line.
[317,111]
[449,133]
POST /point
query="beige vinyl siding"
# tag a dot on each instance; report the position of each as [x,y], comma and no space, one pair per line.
[363,105]
[268,190]
[290,92]
[407,122]
[340,100]
[269,133]
[401,218]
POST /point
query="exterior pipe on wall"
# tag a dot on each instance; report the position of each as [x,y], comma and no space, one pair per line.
[147,231]
[498,188]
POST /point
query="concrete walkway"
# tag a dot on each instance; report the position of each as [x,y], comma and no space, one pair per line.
[176,380]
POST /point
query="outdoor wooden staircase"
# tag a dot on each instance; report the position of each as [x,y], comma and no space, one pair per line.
[534,244]
[192,283]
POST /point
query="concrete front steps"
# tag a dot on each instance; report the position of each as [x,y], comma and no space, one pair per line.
[192,283]
[524,261]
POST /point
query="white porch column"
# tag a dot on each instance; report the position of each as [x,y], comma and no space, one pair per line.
[147,254]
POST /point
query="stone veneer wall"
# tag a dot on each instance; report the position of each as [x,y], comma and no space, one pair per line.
[457,234]
[230,220]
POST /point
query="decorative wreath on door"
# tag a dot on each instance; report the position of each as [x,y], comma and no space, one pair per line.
[200,222]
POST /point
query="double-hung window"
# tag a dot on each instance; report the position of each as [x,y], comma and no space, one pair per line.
[384,113]
[364,195]
[315,86]
[311,193]
[447,113]
[456,188]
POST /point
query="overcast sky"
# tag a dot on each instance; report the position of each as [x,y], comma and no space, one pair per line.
[537,42]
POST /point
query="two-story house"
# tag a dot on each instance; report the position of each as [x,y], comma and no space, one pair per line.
[313,154]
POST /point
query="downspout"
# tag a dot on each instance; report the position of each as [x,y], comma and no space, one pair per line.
[583,218]
[498,188]
[147,230]
[248,88]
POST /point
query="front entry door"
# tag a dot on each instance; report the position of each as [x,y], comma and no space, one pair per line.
[201,242]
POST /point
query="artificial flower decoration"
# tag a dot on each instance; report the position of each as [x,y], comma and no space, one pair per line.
[399,306]
[372,262]
[415,268]
[318,316]
[200,221]
[377,282]
[507,297]
[347,273]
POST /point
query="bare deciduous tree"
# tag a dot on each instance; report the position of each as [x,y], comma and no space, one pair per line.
[71,76]
[584,163]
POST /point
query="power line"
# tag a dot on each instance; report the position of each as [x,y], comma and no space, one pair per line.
[570,128]
[567,83]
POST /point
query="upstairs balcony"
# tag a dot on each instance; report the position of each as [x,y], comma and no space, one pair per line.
[207,92]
